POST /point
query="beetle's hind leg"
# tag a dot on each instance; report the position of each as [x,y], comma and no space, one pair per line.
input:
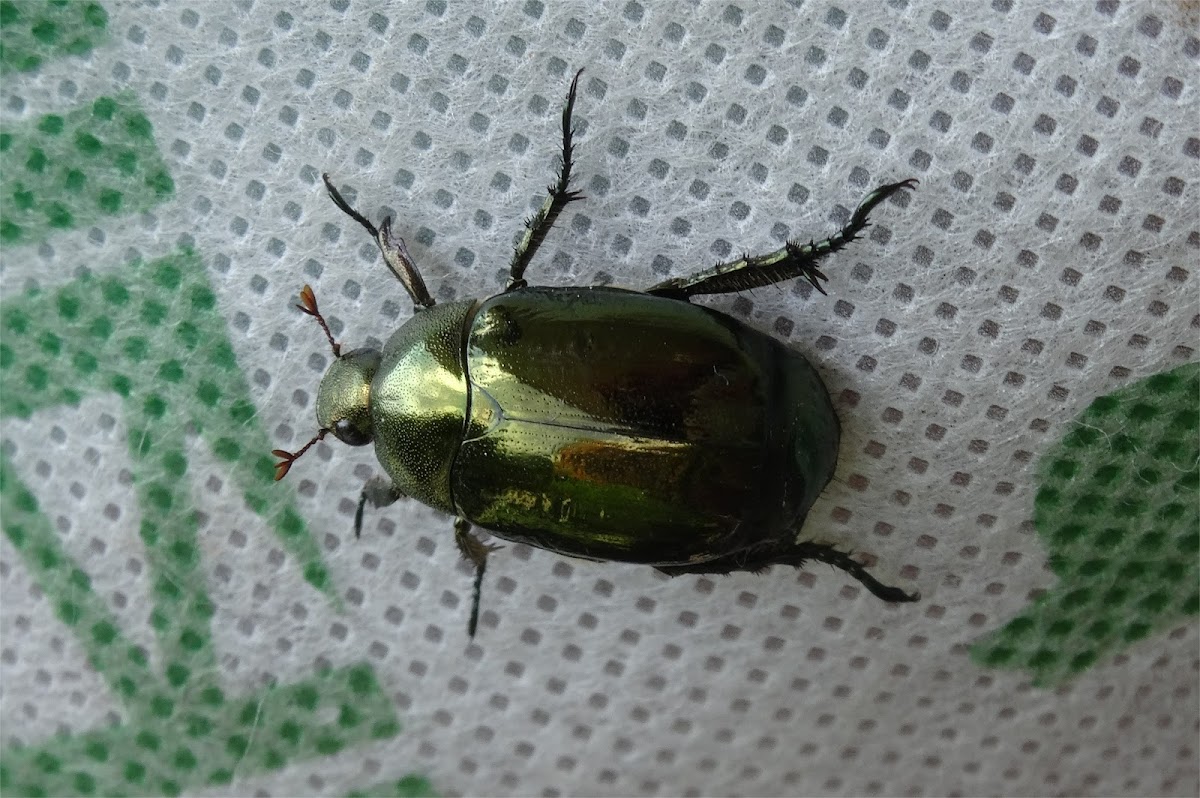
[756,559]
[476,553]
[560,195]
[823,552]
[794,260]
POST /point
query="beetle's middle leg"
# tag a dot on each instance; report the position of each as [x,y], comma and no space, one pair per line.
[560,195]
[794,260]
[476,553]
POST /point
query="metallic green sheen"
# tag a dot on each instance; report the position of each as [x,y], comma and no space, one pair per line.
[419,401]
[345,392]
[616,425]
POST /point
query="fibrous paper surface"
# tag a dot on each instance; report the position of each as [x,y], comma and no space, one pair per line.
[1011,349]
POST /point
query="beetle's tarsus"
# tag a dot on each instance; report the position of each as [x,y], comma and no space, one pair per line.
[559,196]
[346,207]
[794,260]
[823,552]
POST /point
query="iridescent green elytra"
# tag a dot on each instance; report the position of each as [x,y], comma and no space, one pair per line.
[598,422]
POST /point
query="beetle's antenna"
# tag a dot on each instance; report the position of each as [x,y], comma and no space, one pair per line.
[308,304]
[395,253]
[287,458]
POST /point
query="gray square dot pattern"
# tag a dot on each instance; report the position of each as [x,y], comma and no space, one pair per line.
[1049,256]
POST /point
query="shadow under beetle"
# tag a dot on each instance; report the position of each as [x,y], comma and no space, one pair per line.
[596,422]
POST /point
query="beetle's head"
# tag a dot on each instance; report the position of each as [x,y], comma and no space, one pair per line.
[344,398]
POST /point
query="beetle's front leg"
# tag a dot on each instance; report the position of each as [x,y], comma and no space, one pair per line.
[560,195]
[794,260]
[379,492]
[476,553]
[395,253]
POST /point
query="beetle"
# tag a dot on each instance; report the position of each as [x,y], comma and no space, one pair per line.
[596,422]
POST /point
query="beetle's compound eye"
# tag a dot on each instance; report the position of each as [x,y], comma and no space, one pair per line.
[347,433]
